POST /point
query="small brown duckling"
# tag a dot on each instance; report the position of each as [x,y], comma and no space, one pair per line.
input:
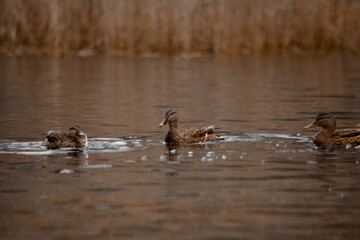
[187,135]
[328,135]
[73,138]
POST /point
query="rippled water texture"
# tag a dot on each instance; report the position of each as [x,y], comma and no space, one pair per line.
[265,180]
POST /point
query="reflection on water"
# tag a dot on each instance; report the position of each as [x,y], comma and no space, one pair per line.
[265,180]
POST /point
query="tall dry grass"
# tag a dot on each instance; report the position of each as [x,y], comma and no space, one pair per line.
[132,26]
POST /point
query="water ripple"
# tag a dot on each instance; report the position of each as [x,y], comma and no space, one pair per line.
[95,145]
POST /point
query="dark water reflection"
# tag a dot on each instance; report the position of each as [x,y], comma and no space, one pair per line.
[266,180]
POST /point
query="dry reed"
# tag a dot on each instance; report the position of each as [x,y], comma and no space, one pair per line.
[135,26]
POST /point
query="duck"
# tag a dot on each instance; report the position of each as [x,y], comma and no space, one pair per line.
[329,136]
[72,138]
[174,136]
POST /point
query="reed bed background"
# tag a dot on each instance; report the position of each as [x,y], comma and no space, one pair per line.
[88,27]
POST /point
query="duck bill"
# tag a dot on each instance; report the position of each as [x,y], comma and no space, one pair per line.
[311,125]
[163,123]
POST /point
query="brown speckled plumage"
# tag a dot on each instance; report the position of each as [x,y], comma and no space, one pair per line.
[328,135]
[73,138]
[187,135]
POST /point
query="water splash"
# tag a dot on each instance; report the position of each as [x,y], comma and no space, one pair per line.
[275,135]
[94,145]
[65,171]
[96,166]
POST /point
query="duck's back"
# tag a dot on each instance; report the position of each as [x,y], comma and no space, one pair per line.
[74,141]
[347,136]
[58,139]
[200,135]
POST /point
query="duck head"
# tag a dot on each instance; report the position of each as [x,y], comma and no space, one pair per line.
[171,118]
[78,135]
[325,121]
[52,140]
[76,130]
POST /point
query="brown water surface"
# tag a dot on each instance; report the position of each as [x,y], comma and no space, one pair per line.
[266,180]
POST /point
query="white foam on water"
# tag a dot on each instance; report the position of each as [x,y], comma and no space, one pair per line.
[275,135]
[137,144]
[9,145]
[106,139]
[92,146]
[312,162]
[241,139]
[96,166]
[105,144]
[109,150]
[66,171]
[129,161]
[210,154]
[49,152]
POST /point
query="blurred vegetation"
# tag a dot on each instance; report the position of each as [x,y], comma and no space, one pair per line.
[88,27]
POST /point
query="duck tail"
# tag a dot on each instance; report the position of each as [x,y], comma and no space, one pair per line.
[210,129]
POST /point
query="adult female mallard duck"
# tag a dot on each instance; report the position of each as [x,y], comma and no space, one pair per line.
[73,138]
[328,135]
[187,135]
